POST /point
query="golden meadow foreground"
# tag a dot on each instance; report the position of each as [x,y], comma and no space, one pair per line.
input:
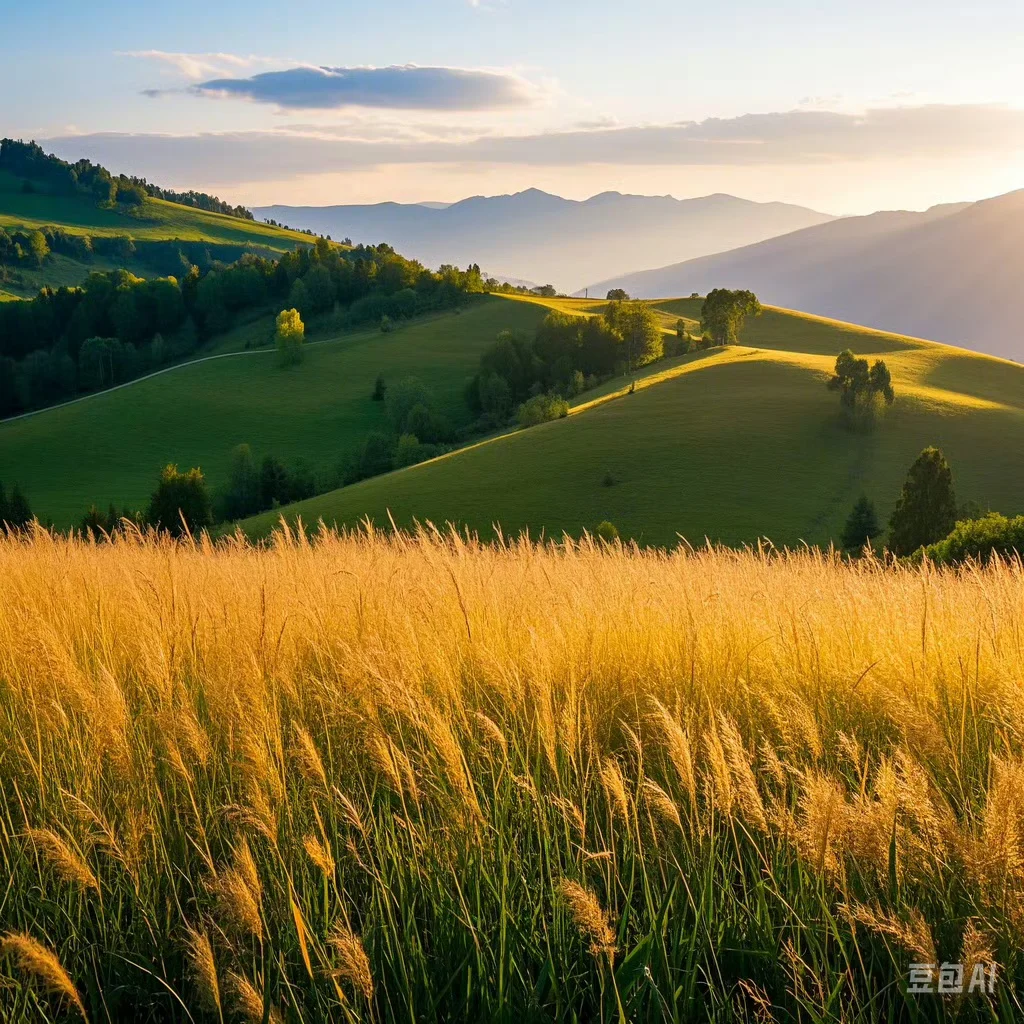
[417,778]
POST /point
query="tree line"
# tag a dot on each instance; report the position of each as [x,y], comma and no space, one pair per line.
[117,326]
[28,161]
[32,247]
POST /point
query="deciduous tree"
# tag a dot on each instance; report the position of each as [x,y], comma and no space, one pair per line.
[289,336]
[724,312]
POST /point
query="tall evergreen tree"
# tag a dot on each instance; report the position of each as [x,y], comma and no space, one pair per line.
[926,510]
[862,526]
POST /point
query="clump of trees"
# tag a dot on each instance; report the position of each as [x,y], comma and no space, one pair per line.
[289,337]
[565,355]
[252,488]
[181,503]
[724,313]
[15,512]
[926,510]
[862,389]
[412,410]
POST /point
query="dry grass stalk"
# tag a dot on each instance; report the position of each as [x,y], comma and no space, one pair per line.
[41,964]
[590,919]
[351,962]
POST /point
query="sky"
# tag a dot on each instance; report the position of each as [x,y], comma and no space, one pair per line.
[844,107]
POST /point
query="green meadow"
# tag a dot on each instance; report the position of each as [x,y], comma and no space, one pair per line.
[109,447]
[732,445]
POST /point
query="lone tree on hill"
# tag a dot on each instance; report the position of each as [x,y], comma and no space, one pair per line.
[862,527]
[180,502]
[724,312]
[289,337]
[637,325]
[618,295]
[861,388]
[926,510]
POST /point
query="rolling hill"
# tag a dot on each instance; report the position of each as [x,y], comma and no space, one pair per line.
[156,221]
[733,445]
[895,271]
[545,238]
[110,446]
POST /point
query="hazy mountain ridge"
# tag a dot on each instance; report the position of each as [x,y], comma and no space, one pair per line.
[951,273]
[541,237]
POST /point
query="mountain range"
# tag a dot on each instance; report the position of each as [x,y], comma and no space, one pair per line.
[952,273]
[541,237]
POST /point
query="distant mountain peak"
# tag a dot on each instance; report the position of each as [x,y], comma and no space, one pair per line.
[537,236]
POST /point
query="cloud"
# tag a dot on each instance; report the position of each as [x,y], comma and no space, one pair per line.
[400,87]
[751,140]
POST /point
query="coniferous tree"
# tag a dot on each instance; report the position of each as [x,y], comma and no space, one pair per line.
[862,526]
[926,511]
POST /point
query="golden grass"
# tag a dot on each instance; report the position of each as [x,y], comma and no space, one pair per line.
[397,777]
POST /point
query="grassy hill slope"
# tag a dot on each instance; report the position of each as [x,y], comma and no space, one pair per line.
[732,445]
[110,446]
[157,220]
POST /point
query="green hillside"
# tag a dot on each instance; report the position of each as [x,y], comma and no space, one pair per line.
[110,446]
[155,220]
[733,444]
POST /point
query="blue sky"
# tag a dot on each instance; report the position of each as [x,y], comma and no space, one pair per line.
[857,105]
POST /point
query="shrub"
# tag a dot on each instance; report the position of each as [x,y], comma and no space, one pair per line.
[379,389]
[542,408]
[979,539]
[607,532]
[608,480]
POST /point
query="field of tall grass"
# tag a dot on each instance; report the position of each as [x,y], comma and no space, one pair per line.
[414,778]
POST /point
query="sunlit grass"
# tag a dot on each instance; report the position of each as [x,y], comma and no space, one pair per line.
[417,778]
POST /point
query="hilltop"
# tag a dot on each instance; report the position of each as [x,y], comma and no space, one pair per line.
[733,444]
[542,237]
[951,273]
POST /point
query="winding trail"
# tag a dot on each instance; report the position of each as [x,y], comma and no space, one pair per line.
[157,373]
